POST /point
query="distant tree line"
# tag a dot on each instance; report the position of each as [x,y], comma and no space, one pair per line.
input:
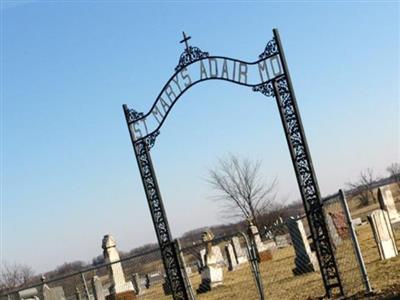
[363,188]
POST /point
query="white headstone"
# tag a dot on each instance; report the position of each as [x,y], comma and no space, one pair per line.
[281,241]
[212,274]
[336,239]
[383,234]
[203,257]
[386,203]
[305,260]
[98,291]
[230,254]
[253,230]
[29,294]
[357,221]
[110,252]
[270,245]
[136,284]
[240,253]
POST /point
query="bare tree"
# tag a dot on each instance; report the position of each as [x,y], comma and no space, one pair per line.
[241,189]
[363,187]
[394,171]
[14,275]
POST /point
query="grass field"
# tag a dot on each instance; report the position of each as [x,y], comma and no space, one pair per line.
[280,283]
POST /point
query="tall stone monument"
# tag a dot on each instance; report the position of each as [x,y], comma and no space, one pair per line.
[212,274]
[386,203]
[383,234]
[305,260]
[120,288]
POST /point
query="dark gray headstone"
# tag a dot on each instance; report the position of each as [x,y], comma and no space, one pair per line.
[305,260]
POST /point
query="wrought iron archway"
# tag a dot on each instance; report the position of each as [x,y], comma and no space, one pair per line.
[277,84]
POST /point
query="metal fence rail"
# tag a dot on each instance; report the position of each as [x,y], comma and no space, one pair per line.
[280,263]
[348,256]
[289,266]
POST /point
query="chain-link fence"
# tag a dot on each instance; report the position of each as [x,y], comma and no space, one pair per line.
[383,272]
[289,267]
[221,269]
[140,275]
[346,246]
[283,267]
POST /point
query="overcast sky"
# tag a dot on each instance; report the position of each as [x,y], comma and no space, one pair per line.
[69,175]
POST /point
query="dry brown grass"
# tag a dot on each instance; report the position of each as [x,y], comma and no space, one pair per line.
[280,283]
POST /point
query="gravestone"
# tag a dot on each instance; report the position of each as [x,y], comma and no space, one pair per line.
[239,252]
[386,203]
[212,274]
[29,294]
[216,252]
[336,239]
[357,222]
[55,293]
[281,241]
[136,284]
[199,266]
[120,289]
[264,253]
[155,277]
[270,244]
[339,221]
[383,234]
[269,235]
[202,257]
[98,291]
[255,235]
[305,260]
[147,281]
[77,294]
[232,262]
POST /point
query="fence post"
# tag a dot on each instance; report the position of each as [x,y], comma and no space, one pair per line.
[252,253]
[85,286]
[356,245]
[182,263]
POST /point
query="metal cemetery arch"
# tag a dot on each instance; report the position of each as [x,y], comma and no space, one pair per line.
[268,75]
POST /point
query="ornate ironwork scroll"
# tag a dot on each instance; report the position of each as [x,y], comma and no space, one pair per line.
[189,55]
[282,90]
[277,84]
[153,195]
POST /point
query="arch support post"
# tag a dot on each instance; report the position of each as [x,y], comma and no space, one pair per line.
[306,178]
[170,257]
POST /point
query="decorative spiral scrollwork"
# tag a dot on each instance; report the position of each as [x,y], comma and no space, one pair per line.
[168,250]
[189,55]
[267,89]
[270,49]
[151,139]
[133,115]
[313,206]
